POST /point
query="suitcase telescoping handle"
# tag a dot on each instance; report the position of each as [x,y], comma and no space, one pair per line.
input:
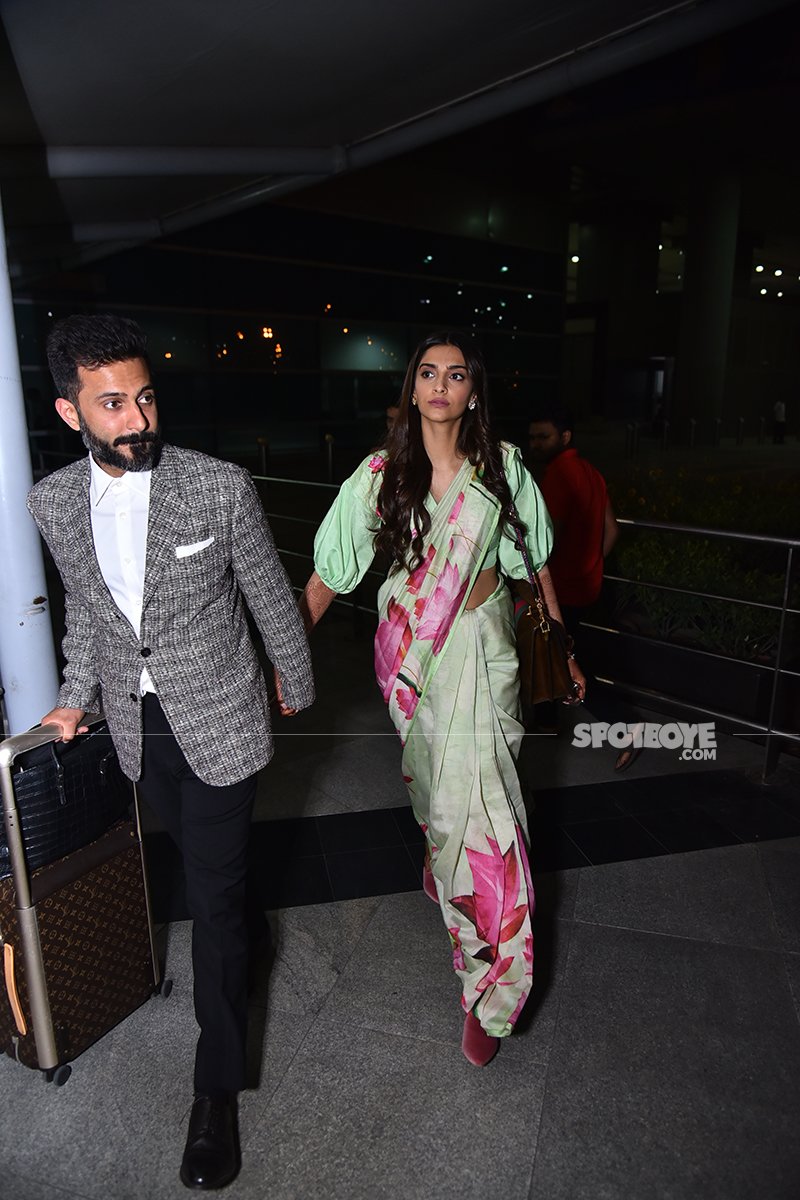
[40,735]
[10,750]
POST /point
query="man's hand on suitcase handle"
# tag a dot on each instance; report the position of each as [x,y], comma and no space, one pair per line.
[69,719]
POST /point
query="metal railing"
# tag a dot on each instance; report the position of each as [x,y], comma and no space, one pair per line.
[784,609]
[683,433]
[313,524]
[770,731]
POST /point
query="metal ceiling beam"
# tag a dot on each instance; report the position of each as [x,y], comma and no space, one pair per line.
[122,235]
[136,162]
[675,28]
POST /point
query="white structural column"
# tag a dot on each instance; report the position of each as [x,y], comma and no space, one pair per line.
[27,660]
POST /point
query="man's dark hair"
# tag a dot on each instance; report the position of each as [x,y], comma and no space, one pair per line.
[556,414]
[91,340]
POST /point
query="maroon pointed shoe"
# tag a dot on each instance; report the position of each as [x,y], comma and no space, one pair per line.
[478,1046]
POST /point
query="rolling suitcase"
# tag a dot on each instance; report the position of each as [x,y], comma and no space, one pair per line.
[76,935]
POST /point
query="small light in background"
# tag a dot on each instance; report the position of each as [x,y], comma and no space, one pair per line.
[763,291]
[779,295]
[760,268]
[503,270]
[240,335]
[345,329]
[168,354]
[575,258]
[266,331]
[778,272]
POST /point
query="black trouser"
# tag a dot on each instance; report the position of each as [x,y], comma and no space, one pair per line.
[210,826]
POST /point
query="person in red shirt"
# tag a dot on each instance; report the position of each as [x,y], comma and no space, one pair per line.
[583,520]
[584,524]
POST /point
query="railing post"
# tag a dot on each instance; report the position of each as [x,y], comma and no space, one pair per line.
[692,430]
[329,439]
[263,455]
[664,434]
[631,439]
[717,430]
[771,755]
[740,432]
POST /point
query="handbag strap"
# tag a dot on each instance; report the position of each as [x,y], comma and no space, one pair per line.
[533,578]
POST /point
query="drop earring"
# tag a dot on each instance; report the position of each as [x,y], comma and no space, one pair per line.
[472,404]
[414,398]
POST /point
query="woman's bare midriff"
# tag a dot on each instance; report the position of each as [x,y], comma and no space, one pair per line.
[482,588]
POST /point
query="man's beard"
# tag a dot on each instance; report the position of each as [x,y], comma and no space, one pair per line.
[145,449]
[542,457]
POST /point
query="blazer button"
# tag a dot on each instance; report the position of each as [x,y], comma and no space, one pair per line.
[145,651]
[133,697]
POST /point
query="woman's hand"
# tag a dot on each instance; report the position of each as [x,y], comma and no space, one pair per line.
[578,683]
[316,599]
[285,710]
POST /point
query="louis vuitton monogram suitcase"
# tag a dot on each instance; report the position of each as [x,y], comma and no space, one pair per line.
[76,935]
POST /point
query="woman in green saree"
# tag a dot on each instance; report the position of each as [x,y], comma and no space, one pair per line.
[445,502]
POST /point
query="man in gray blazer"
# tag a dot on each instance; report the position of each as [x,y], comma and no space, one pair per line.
[159,549]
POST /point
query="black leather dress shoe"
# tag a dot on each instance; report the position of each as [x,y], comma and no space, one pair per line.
[211,1157]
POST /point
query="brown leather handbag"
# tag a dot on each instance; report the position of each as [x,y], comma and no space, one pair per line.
[542,642]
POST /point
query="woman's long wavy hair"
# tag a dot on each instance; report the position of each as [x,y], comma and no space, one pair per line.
[405,521]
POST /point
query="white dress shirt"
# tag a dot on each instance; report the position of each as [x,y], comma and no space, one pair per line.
[119,509]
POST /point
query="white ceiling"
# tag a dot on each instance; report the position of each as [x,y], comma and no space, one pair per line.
[121,120]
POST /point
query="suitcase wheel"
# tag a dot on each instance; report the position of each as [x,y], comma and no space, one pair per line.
[58,1075]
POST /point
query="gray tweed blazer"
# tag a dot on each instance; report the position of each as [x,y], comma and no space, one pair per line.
[209,547]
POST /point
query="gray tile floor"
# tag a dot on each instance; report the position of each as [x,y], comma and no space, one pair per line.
[659,1057]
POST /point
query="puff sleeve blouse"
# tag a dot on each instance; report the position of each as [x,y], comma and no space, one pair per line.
[532,510]
[343,547]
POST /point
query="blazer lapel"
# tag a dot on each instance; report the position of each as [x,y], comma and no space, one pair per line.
[76,517]
[167,515]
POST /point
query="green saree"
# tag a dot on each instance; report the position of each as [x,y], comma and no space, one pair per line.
[449,676]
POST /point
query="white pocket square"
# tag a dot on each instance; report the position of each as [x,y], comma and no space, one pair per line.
[194,548]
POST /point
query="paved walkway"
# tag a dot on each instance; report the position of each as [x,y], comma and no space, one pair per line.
[659,1057]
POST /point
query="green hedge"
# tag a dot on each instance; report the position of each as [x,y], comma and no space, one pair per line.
[702,564]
